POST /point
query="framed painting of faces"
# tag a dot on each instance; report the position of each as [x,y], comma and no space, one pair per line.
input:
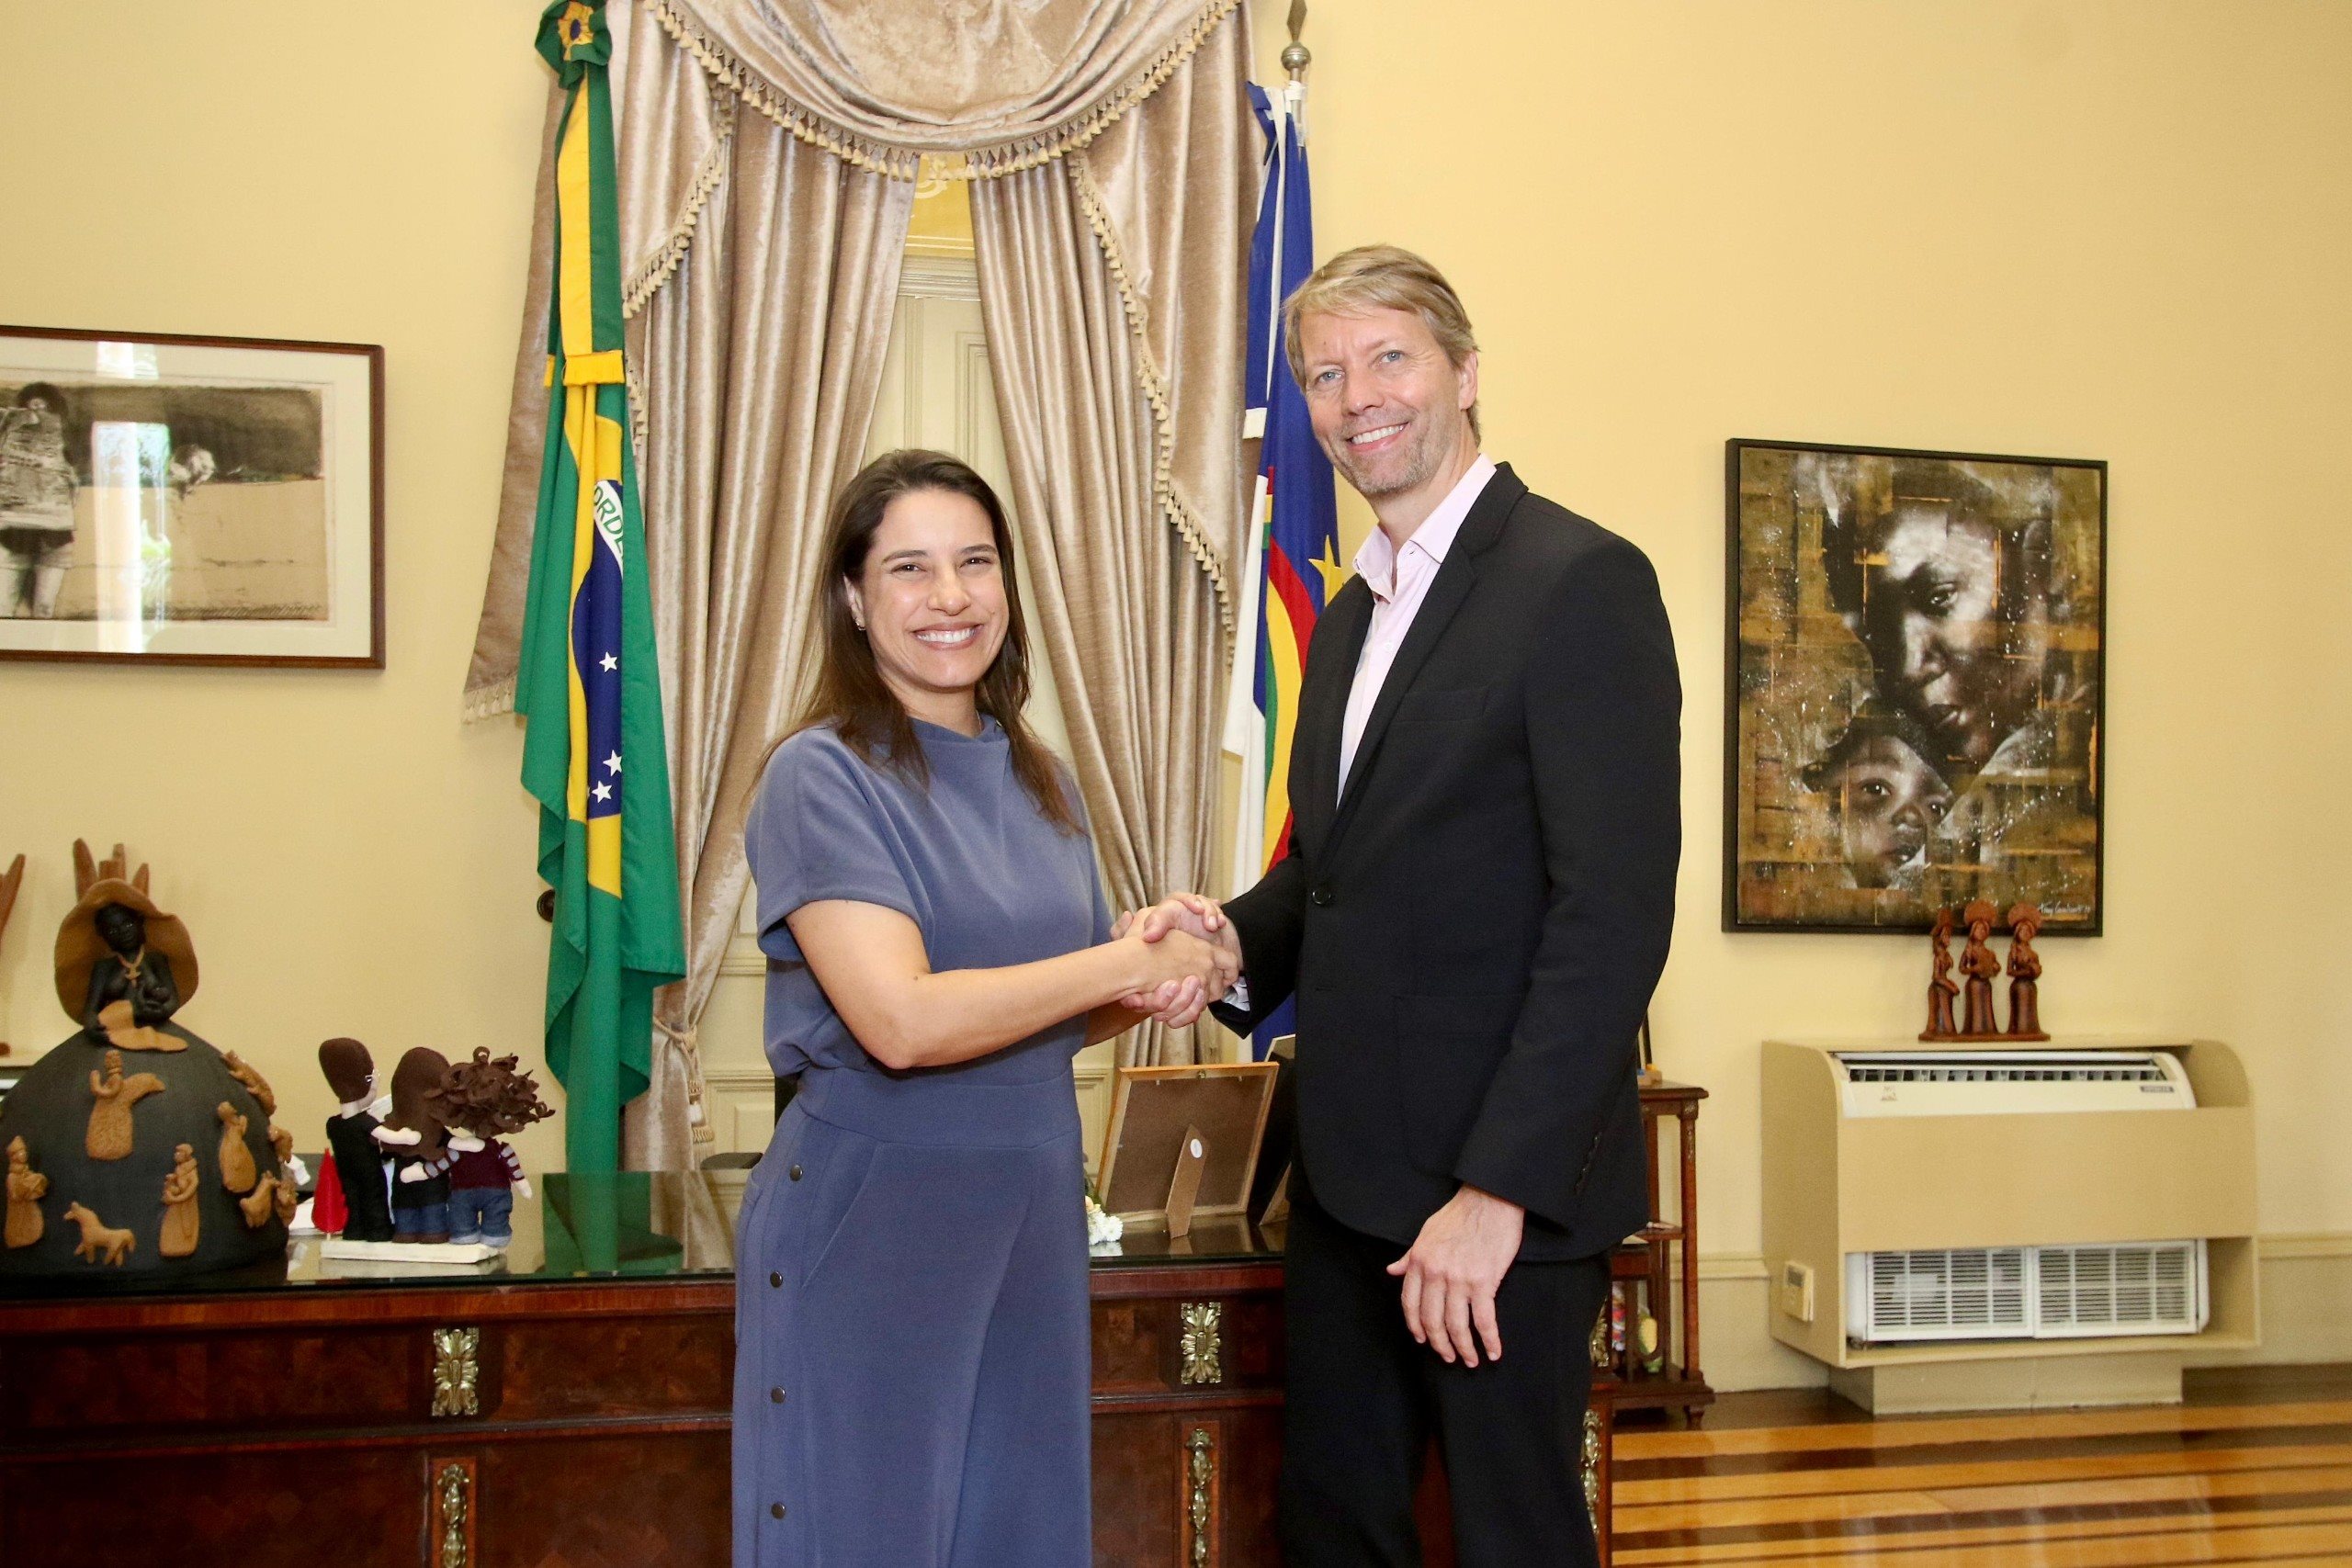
[167,498]
[1915,643]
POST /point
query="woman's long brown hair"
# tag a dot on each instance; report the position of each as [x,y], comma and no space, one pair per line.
[850,694]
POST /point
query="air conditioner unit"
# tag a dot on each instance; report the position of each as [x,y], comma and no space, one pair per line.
[2026,1292]
[2008,1083]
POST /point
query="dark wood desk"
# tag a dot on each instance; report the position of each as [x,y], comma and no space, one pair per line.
[572,1412]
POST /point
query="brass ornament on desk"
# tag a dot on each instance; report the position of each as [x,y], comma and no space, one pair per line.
[1203,1509]
[456,1371]
[453,1489]
[1202,1342]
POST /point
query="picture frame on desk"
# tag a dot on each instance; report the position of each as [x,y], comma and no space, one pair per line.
[1915,661]
[172,499]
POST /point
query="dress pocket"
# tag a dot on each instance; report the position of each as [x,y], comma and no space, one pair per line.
[853,1171]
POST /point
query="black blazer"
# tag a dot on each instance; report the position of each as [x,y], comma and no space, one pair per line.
[1473,932]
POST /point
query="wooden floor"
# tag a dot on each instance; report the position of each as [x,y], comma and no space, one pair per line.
[2255,1467]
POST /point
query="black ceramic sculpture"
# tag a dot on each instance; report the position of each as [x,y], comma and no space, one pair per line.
[112,1121]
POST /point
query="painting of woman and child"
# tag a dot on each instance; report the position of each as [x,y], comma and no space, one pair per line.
[1913,715]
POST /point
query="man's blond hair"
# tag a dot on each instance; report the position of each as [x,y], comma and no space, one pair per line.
[1380,277]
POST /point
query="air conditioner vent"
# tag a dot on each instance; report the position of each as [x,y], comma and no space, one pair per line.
[2008,1082]
[2026,1292]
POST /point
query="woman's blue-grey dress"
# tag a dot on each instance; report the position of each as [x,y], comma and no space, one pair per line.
[910,1319]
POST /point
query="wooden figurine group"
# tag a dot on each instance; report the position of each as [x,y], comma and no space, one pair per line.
[1980,968]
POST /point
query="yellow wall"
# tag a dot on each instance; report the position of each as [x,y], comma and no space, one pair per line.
[2113,231]
[2089,229]
[350,859]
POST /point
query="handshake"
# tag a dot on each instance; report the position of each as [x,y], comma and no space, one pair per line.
[1186,956]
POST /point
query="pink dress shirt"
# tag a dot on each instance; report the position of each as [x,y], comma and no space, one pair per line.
[1399,580]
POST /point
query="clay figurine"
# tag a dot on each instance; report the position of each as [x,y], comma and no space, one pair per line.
[1976,962]
[27,1186]
[355,1161]
[255,1085]
[123,1034]
[258,1205]
[181,1220]
[290,1200]
[237,1171]
[100,1243]
[2025,974]
[103,1113]
[482,1098]
[419,1146]
[112,1096]
[1942,988]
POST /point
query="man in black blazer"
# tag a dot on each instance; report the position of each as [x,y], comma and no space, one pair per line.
[1472,917]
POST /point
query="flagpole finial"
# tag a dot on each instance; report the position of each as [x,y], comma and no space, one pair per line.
[1295,57]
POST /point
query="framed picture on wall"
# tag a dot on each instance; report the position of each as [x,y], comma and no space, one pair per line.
[190,500]
[1916,645]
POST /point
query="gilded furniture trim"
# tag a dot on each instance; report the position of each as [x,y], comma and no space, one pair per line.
[1203,1509]
[1590,1466]
[452,1500]
[1202,1343]
[456,1371]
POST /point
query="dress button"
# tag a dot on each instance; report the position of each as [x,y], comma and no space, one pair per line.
[794,1173]
[776,1280]
[1321,895]
[776,1510]
[775,1397]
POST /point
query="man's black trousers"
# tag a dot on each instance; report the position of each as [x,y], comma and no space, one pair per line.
[1362,1399]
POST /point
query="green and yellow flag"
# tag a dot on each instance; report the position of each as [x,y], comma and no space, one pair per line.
[587,688]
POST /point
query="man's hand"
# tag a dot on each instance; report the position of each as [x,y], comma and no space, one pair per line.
[1178,1004]
[1454,1267]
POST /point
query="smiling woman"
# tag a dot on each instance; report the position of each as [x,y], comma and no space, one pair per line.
[912,1254]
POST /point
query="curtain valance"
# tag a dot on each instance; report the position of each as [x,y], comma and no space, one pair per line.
[982,87]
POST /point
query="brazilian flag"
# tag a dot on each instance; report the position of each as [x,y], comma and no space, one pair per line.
[587,687]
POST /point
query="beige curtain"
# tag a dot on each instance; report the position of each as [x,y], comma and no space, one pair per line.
[768,149]
[1120,397]
[760,361]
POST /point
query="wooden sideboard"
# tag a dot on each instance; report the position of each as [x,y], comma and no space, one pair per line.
[573,1412]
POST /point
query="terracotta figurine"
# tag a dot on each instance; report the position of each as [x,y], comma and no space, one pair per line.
[100,1243]
[259,1204]
[2025,973]
[255,1085]
[27,1186]
[1942,987]
[104,1112]
[1976,962]
[112,1096]
[360,1210]
[482,1098]
[419,1144]
[237,1169]
[181,1219]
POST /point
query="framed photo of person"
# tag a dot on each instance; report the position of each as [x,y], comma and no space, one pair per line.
[190,500]
[1916,649]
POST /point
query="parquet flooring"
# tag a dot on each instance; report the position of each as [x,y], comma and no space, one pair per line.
[2255,1468]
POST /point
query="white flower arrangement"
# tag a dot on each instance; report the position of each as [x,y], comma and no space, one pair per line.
[1103,1230]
